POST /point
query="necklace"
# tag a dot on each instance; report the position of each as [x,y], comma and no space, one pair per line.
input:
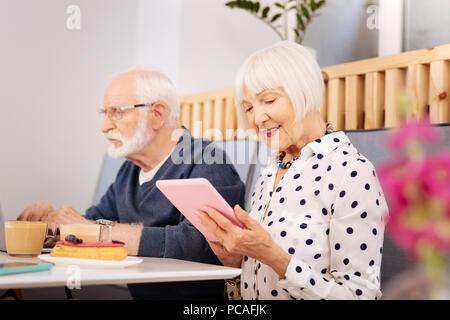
[282,154]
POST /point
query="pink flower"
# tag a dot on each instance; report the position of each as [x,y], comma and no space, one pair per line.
[418,190]
[436,175]
[421,131]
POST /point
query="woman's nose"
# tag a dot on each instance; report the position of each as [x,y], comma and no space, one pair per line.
[260,117]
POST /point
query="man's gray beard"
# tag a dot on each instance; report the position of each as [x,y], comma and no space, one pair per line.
[141,139]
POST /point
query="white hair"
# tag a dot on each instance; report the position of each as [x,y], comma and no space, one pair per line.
[287,65]
[153,85]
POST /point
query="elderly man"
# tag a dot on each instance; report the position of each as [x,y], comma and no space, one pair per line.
[141,124]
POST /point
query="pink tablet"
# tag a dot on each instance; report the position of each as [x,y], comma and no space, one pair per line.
[191,195]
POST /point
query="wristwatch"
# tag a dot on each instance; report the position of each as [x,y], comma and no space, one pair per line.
[105,222]
[105,229]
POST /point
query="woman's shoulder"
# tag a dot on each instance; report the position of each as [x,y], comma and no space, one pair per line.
[346,156]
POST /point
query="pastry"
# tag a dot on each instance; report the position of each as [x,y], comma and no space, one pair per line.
[76,248]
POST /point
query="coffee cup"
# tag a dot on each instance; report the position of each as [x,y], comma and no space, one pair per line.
[25,238]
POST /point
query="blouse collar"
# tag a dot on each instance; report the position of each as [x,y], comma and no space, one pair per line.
[318,148]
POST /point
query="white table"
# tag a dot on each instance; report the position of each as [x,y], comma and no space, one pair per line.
[149,270]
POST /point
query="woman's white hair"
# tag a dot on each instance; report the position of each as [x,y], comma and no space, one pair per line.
[153,85]
[287,65]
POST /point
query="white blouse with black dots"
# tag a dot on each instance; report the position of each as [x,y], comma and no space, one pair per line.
[328,213]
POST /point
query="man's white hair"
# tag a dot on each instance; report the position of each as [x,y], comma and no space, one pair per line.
[153,85]
[287,65]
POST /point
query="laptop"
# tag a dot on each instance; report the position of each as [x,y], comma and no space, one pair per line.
[2,230]
[2,233]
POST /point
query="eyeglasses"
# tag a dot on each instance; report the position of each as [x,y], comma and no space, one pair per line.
[116,113]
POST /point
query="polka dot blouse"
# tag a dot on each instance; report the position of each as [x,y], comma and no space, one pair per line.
[328,213]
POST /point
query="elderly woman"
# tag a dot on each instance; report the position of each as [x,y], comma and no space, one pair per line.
[316,224]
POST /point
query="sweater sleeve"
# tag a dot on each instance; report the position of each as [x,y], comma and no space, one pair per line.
[106,208]
[184,241]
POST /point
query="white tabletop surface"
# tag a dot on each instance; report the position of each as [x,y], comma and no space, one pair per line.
[149,270]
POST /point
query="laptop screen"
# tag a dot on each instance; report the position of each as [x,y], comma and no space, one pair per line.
[2,230]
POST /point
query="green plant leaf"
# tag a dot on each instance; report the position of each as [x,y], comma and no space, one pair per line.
[320,4]
[292,8]
[275,17]
[256,7]
[231,4]
[300,22]
[306,13]
[241,4]
[265,12]
[279,5]
[313,5]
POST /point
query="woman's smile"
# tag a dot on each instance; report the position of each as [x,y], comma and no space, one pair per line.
[269,133]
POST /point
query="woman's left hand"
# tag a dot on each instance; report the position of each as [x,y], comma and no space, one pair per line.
[252,240]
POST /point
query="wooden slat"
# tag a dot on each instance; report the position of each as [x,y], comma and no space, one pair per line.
[399,61]
[219,118]
[336,103]
[197,127]
[210,95]
[439,92]
[230,119]
[185,113]
[418,80]
[324,108]
[208,119]
[374,100]
[395,89]
[354,99]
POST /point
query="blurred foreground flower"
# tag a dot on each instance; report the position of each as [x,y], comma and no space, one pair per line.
[417,185]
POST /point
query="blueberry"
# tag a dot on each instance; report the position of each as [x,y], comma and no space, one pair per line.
[70,238]
[73,239]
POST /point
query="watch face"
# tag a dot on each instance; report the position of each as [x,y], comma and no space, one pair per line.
[104,222]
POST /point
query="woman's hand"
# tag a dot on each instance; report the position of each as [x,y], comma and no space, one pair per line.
[227,259]
[252,240]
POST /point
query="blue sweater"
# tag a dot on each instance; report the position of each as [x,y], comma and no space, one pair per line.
[167,233]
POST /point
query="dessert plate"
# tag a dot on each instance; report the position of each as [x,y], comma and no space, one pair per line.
[91,263]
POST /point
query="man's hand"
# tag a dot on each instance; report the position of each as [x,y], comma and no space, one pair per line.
[35,212]
[65,214]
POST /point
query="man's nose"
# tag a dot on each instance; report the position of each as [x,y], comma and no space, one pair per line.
[107,125]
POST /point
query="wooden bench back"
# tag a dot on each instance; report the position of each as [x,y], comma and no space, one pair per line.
[358,95]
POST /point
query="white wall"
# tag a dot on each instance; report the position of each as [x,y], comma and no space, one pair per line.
[391,27]
[158,28]
[52,82]
[427,23]
[340,33]
[215,40]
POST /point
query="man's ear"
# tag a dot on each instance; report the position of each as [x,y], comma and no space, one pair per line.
[158,115]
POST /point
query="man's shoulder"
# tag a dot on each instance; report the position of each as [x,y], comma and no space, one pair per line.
[128,170]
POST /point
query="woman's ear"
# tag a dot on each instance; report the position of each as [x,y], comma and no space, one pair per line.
[158,115]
